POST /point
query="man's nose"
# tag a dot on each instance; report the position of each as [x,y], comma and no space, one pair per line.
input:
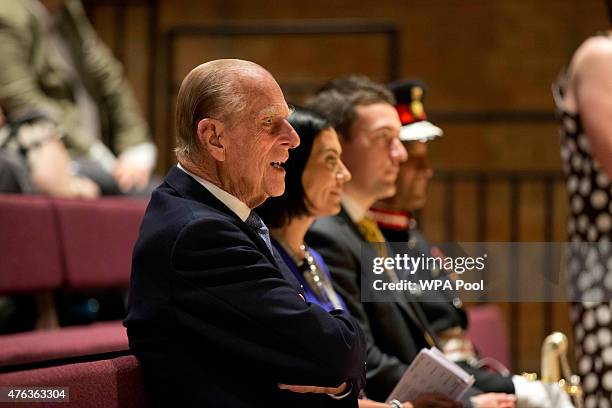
[290,136]
[429,172]
[343,173]
[398,151]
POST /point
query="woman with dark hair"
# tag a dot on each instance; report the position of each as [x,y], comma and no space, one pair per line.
[314,181]
[583,95]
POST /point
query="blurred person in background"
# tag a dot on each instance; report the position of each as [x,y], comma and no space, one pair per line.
[54,64]
[14,175]
[33,160]
[583,98]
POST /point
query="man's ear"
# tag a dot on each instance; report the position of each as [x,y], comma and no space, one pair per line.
[210,132]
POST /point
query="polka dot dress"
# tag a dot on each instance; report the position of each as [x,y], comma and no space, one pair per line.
[589,266]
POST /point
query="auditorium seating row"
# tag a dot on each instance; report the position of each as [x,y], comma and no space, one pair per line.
[117,382]
[48,244]
[104,383]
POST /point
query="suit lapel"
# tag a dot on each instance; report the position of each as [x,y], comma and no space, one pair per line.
[411,308]
[189,188]
[287,273]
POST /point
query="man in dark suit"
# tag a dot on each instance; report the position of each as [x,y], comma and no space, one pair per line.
[364,115]
[213,317]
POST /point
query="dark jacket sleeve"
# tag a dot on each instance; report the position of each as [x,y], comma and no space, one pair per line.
[383,370]
[219,274]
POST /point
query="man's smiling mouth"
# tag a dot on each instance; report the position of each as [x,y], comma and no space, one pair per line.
[278,165]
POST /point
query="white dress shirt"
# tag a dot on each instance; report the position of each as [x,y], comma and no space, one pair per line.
[355,211]
[238,207]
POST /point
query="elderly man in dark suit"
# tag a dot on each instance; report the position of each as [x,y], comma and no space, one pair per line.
[213,317]
[369,126]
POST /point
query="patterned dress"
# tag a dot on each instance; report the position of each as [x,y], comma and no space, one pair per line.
[589,259]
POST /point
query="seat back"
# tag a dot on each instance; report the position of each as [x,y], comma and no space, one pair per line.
[30,259]
[112,383]
[98,238]
[487,330]
[43,345]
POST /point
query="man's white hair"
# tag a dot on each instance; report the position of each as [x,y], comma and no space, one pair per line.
[211,90]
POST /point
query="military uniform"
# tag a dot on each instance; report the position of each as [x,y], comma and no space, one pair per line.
[444,312]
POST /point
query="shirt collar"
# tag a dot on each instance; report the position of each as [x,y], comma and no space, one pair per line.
[354,210]
[393,219]
[238,207]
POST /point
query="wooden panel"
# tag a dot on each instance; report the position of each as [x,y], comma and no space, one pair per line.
[531,320]
[498,212]
[560,212]
[509,146]
[103,20]
[339,55]
[528,323]
[136,51]
[464,216]
[432,221]
[477,55]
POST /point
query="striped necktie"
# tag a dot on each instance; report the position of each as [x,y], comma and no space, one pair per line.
[257,224]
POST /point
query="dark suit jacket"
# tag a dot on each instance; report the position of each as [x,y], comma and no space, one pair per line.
[394,330]
[442,310]
[216,323]
[442,313]
[394,336]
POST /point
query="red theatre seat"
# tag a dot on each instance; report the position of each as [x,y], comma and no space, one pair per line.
[112,383]
[30,259]
[98,238]
[487,331]
[46,244]
[37,346]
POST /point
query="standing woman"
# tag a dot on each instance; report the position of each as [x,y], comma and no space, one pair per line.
[583,96]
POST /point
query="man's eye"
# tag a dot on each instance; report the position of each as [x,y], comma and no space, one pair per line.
[385,138]
[331,161]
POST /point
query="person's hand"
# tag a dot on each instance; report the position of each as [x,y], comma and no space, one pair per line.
[433,401]
[495,400]
[83,187]
[303,389]
[52,174]
[131,176]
